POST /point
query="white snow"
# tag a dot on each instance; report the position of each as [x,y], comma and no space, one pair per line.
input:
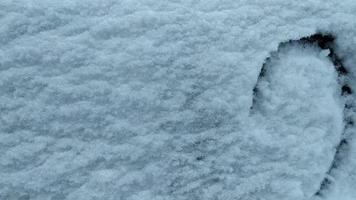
[298,101]
[146,99]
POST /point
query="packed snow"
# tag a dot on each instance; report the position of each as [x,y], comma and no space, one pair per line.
[147,99]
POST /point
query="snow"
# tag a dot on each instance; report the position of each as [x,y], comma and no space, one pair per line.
[298,84]
[146,99]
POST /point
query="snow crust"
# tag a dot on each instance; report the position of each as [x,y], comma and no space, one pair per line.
[144,99]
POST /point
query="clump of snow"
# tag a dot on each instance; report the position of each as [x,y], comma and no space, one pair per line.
[144,99]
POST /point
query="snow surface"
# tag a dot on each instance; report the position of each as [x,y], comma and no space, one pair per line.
[298,101]
[144,99]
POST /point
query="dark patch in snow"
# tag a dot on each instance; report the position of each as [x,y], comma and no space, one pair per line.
[322,40]
[341,150]
[199,158]
[324,185]
[327,42]
[346,90]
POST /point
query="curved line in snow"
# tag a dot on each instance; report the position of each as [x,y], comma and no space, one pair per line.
[324,42]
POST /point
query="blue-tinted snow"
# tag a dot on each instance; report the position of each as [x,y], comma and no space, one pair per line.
[298,103]
[149,99]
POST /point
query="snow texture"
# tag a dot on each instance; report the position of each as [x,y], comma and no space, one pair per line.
[150,100]
[298,100]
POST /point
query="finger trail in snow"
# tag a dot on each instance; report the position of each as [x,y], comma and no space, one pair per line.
[298,99]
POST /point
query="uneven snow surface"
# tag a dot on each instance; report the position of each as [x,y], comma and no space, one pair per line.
[298,97]
[154,100]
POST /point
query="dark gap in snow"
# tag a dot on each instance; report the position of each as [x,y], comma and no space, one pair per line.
[322,40]
[346,90]
[341,150]
[323,186]
[349,122]
[325,42]
[199,158]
